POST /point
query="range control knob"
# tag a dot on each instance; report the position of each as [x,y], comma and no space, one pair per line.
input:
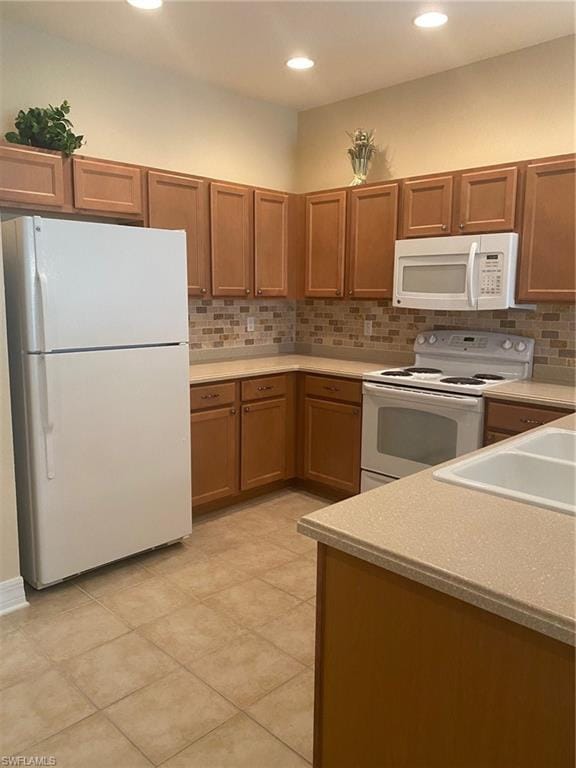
[520,346]
[432,339]
[420,339]
[506,344]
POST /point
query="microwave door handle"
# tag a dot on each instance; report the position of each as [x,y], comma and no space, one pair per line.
[470,275]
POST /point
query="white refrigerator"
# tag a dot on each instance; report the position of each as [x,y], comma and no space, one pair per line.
[98,339]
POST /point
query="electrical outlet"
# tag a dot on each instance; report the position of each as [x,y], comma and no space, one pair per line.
[250,324]
[367,327]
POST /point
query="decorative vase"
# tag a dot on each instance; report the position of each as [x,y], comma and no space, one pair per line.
[361,153]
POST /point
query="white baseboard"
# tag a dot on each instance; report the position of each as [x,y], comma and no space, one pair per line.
[12,595]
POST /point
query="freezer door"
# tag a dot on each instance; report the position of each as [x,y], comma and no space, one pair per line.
[93,286]
[109,443]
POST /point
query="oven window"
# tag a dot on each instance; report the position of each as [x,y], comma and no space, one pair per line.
[426,438]
[442,278]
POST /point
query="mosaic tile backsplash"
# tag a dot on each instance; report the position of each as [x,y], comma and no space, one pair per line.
[336,325]
[341,324]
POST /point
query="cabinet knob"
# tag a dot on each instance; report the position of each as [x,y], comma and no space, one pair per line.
[247,410]
[350,293]
[259,291]
[202,290]
[338,292]
[247,291]
[461,226]
[444,227]
[233,412]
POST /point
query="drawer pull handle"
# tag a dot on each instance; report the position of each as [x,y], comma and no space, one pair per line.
[535,422]
[332,389]
[208,397]
[264,389]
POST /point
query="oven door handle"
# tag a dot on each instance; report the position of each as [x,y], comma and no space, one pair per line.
[414,395]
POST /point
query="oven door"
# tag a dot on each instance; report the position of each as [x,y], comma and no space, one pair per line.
[436,273]
[404,431]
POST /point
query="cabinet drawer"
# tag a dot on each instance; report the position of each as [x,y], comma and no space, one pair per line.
[515,418]
[266,386]
[210,395]
[333,389]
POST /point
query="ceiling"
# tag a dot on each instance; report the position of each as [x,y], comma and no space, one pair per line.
[358,46]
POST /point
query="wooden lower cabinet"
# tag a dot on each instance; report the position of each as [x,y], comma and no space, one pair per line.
[408,677]
[214,438]
[263,444]
[506,418]
[331,444]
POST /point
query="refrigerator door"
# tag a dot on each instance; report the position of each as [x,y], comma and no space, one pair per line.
[109,449]
[94,286]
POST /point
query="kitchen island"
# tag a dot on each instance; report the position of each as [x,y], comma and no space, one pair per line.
[446,626]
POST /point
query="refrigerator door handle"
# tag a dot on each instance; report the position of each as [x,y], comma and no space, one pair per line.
[43,285]
[47,422]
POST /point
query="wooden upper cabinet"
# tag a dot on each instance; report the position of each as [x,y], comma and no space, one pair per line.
[107,187]
[548,258]
[231,223]
[427,206]
[270,243]
[373,214]
[31,177]
[264,435]
[486,201]
[181,202]
[325,244]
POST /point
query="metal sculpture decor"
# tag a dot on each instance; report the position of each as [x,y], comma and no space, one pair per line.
[361,153]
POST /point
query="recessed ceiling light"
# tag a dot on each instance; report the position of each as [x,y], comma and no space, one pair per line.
[431,19]
[146,5]
[300,62]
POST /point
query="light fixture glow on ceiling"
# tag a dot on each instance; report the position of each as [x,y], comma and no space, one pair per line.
[431,19]
[300,62]
[146,5]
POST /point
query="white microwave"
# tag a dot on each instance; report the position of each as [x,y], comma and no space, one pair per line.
[464,272]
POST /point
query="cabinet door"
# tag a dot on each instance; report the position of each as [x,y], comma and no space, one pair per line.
[548,258]
[325,244]
[332,444]
[427,207]
[231,211]
[179,202]
[107,187]
[214,439]
[373,214]
[270,244]
[486,201]
[32,177]
[263,443]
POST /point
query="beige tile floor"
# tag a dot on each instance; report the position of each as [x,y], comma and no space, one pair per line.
[198,655]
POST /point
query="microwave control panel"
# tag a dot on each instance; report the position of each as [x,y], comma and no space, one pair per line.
[491,274]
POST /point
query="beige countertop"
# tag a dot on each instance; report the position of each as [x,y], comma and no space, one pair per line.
[537,392]
[263,366]
[508,557]
[529,391]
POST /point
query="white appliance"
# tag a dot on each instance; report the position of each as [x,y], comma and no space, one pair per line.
[416,417]
[98,335]
[466,272]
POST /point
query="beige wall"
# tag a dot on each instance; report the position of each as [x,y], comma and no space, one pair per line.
[9,563]
[142,114]
[511,107]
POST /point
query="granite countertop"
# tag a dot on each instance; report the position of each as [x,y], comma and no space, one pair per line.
[511,558]
[538,392]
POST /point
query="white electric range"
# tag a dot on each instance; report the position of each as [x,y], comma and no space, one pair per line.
[430,412]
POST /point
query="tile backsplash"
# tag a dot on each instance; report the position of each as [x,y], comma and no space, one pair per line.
[334,326]
[331,323]
[218,323]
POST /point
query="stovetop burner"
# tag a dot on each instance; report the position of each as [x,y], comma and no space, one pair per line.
[395,373]
[489,376]
[416,369]
[462,380]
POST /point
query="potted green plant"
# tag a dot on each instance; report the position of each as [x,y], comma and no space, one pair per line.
[45,127]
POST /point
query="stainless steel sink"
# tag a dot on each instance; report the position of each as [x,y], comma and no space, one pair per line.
[538,469]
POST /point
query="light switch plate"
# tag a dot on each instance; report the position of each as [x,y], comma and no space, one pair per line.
[250,324]
[367,327]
